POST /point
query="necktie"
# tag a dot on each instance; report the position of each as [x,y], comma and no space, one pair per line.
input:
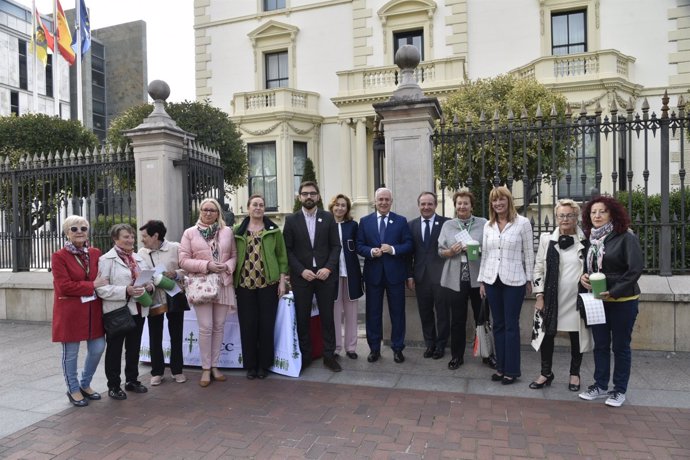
[382,227]
[427,233]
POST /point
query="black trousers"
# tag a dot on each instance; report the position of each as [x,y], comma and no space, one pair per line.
[113,355]
[433,313]
[256,310]
[175,326]
[458,313]
[325,298]
[546,350]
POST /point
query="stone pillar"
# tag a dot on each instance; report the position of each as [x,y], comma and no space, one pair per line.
[408,123]
[158,143]
[360,199]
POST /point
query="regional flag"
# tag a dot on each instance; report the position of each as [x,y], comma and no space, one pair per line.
[64,37]
[83,28]
[42,39]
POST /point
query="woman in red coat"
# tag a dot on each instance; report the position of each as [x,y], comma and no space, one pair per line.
[77,312]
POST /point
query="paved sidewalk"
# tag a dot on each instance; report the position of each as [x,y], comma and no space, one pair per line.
[418,409]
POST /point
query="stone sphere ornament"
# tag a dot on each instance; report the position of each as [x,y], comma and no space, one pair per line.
[159,90]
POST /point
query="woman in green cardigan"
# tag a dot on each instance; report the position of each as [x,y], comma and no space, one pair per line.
[262,267]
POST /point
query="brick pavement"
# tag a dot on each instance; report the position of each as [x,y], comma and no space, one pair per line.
[281,418]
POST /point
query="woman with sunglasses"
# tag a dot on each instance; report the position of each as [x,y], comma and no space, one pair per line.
[77,312]
[209,247]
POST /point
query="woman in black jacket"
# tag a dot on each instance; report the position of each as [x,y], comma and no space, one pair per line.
[614,251]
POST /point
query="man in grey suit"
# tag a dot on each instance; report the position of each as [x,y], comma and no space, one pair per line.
[313,247]
[424,276]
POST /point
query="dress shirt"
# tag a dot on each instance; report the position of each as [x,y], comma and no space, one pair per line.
[423,225]
[310,220]
[378,222]
[343,268]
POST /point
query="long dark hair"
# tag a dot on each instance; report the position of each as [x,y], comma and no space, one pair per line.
[619,216]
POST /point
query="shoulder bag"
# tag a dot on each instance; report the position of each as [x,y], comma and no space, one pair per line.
[202,288]
[119,321]
[484,338]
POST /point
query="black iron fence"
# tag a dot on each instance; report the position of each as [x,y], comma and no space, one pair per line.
[638,158]
[40,191]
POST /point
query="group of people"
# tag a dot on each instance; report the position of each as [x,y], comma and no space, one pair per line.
[318,253]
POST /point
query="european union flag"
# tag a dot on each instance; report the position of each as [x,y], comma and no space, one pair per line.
[83,28]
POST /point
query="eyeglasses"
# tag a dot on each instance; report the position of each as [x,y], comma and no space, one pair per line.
[76,229]
[598,212]
[306,194]
[209,211]
[566,216]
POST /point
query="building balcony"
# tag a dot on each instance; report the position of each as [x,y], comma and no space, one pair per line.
[376,84]
[275,101]
[595,67]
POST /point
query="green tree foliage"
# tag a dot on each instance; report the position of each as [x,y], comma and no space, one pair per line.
[477,142]
[308,175]
[212,127]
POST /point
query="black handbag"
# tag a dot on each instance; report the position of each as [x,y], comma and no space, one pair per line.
[177,303]
[119,321]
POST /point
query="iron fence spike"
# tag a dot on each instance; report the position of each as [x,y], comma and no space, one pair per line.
[539,114]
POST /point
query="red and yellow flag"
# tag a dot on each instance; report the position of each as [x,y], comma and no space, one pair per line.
[64,36]
[42,39]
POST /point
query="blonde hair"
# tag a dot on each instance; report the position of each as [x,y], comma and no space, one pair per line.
[500,192]
[567,202]
[220,219]
[73,221]
[348,204]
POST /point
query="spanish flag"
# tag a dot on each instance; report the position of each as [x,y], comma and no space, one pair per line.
[42,39]
[64,37]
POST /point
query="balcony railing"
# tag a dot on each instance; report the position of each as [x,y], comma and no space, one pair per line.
[581,67]
[275,100]
[435,76]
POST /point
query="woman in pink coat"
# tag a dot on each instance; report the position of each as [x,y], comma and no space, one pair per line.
[77,313]
[209,247]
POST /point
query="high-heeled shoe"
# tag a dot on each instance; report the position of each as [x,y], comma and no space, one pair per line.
[574,386]
[537,386]
[77,402]
[205,378]
[217,375]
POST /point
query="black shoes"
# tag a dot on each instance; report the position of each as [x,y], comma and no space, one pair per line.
[136,387]
[374,356]
[331,363]
[398,357]
[508,380]
[438,354]
[261,374]
[92,396]
[251,374]
[117,393]
[77,402]
[574,386]
[490,361]
[351,354]
[429,352]
[496,377]
[537,386]
[455,363]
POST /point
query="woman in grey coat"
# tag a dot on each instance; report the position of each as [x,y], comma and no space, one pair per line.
[459,274]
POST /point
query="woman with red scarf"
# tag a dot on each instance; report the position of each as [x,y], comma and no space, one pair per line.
[121,267]
[77,313]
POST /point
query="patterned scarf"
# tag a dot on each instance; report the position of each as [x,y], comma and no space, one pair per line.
[208,232]
[128,258]
[81,253]
[595,255]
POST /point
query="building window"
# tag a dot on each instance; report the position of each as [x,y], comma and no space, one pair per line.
[276,70]
[98,84]
[14,102]
[411,37]
[583,160]
[569,32]
[299,157]
[23,74]
[49,76]
[270,5]
[263,173]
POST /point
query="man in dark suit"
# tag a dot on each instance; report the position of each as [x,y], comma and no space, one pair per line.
[385,242]
[424,276]
[313,247]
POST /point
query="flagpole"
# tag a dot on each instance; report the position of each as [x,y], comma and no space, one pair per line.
[56,61]
[80,114]
[33,39]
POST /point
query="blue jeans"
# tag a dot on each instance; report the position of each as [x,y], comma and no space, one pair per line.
[70,353]
[506,302]
[616,334]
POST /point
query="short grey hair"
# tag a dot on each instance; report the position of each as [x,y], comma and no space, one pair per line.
[116,229]
[567,202]
[73,221]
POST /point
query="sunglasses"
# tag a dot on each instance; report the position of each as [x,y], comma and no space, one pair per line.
[76,229]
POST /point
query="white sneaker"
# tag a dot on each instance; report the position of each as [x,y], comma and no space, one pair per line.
[156,380]
[592,393]
[615,399]
[180,378]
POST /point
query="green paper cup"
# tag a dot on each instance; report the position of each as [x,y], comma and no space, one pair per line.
[145,299]
[163,282]
[473,250]
[598,282]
